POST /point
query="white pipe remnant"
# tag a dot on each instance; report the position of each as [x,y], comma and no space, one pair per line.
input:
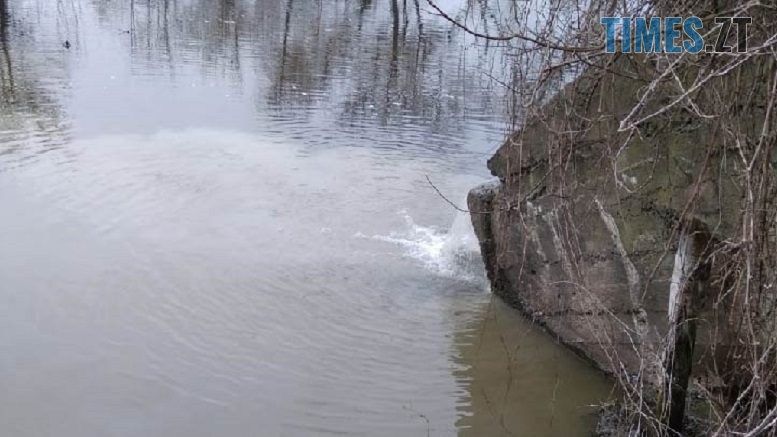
[684,264]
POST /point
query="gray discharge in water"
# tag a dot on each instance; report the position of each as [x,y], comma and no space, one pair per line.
[215,221]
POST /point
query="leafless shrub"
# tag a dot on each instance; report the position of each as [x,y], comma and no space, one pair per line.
[721,228]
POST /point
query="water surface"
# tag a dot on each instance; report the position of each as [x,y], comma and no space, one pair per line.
[216,221]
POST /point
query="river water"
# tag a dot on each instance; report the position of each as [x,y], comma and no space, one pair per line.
[215,220]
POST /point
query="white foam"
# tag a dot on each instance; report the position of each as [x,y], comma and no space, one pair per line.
[452,253]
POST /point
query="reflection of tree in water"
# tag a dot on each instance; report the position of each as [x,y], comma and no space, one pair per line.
[376,63]
[32,115]
[169,33]
[6,70]
[369,59]
[361,63]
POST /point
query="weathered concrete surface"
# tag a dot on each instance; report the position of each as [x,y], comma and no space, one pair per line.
[587,293]
[581,231]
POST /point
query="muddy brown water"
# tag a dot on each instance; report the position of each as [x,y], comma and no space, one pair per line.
[215,220]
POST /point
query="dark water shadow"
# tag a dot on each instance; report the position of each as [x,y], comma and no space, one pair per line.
[518,381]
